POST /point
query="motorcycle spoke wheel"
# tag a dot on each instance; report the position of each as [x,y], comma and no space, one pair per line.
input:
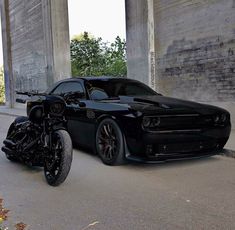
[58,162]
[53,161]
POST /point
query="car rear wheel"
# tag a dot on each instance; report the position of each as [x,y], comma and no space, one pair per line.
[109,143]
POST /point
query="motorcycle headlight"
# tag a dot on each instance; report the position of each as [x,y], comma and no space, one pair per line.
[151,122]
[57,108]
[36,114]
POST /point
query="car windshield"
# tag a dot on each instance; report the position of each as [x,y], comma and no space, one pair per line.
[113,88]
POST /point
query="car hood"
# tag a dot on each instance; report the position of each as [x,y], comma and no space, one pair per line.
[162,104]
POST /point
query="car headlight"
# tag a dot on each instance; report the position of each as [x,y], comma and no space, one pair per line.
[146,121]
[151,122]
[220,118]
[223,118]
[216,118]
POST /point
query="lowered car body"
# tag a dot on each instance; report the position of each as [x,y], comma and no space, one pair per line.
[123,119]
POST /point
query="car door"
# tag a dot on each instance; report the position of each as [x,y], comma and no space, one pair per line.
[80,126]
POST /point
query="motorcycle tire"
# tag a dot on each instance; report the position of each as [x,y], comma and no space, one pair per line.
[57,170]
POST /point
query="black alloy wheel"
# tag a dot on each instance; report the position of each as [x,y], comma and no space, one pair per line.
[58,162]
[109,142]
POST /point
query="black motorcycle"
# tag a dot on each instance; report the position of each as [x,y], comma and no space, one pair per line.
[41,138]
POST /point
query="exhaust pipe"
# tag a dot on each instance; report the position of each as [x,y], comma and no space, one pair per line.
[9,143]
[7,150]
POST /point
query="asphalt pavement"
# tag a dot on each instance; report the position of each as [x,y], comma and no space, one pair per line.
[195,194]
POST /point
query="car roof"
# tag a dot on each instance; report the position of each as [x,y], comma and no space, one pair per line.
[104,78]
[101,78]
[77,78]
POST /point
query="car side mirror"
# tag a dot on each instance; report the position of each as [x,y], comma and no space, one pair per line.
[82,104]
[19,100]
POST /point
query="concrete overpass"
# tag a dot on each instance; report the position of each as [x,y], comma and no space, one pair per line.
[181,48]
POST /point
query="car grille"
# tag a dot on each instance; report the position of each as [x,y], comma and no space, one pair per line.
[191,121]
[186,147]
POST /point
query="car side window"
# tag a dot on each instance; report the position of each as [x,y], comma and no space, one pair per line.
[98,94]
[69,87]
[59,89]
[133,90]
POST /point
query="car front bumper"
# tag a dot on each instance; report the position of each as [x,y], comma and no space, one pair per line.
[163,146]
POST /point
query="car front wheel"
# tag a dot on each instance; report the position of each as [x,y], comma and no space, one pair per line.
[109,143]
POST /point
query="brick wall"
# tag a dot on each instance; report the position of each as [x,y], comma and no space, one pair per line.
[195,49]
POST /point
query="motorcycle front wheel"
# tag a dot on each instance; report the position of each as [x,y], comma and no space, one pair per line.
[58,163]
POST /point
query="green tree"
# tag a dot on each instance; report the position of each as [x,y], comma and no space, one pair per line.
[87,55]
[90,56]
[2,88]
[116,58]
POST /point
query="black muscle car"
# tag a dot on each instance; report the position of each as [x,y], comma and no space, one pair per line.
[122,119]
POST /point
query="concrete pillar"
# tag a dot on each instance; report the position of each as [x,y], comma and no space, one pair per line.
[36,44]
[6,48]
[56,30]
[141,55]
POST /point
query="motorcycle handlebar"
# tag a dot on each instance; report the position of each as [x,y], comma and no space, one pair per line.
[29,94]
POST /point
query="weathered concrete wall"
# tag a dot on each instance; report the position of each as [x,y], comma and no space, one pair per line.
[39,42]
[195,47]
[27,39]
[137,39]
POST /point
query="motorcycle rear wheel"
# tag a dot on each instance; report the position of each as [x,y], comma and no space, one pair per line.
[57,166]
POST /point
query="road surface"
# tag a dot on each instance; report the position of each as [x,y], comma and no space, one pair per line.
[196,194]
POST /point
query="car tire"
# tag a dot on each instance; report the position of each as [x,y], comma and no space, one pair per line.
[110,143]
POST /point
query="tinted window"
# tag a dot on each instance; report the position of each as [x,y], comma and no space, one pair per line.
[115,88]
[97,94]
[68,87]
[59,89]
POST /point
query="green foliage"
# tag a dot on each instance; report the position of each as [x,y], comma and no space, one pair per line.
[116,58]
[90,56]
[2,88]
